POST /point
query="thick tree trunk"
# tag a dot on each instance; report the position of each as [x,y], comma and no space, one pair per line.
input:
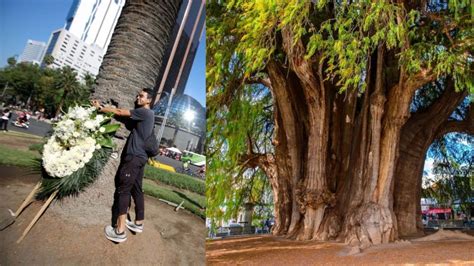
[132,62]
[417,135]
[336,163]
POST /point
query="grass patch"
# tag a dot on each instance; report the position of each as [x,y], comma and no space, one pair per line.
[176,180]
[15,157]
[22,135]
[36,147]
[192,202]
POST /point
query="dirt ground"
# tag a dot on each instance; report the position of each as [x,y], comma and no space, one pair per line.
[169,238]
[269,250]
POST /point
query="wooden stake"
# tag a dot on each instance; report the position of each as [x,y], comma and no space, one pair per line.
[179,206]
[10,220]
[169,202]
[41,211]
[28,199]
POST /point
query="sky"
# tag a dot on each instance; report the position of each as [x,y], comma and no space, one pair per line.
[21,20]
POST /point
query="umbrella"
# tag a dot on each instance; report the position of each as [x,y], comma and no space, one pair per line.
[174,150]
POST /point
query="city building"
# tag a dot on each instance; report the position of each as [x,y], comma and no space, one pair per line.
[184,131]
[93,21]
[179,55]
[68,50]
[33,52]
[84,39]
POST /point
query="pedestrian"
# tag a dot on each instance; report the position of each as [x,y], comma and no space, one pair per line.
[185,166]
[128,180]
[6,115]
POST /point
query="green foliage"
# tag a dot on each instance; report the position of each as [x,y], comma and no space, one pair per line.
[176,180]
[342,36]
[243,36]
[229,183]
[453,171]
[11,61]
[44,88]
[48,60]
[192,202]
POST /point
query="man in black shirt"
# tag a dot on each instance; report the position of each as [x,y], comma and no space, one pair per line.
[130,172]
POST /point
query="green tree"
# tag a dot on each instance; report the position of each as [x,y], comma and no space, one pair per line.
[11,61]
[67,85]
[341,77]
[89,81]
[23,79]
[47,90]
[48,60]
[453,171]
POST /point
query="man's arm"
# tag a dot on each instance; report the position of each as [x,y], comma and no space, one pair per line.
[115,111]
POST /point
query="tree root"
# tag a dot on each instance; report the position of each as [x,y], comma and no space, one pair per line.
[370,224]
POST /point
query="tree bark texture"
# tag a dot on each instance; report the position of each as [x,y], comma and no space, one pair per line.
[132,62]
[348,166]
[417,135]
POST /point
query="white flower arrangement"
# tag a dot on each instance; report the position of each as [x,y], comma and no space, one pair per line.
[73,156]
[79,133]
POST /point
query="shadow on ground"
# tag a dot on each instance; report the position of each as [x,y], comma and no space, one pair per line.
[169,238]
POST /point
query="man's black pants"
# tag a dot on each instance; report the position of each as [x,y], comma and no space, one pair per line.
[128,183]
[3,124]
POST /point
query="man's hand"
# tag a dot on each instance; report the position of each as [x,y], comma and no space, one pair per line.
[115,111]
[96,104]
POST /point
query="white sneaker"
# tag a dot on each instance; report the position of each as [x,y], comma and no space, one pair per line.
[137,228]
[112,235]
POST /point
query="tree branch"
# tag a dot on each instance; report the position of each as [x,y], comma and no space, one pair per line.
[259,80]
[443,106]
[421,78]
[465,126]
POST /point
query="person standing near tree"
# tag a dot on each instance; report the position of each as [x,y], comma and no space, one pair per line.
[131,168]
[6,115]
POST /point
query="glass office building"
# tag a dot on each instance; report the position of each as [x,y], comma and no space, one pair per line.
[186,123]
[180,53]
[180,105]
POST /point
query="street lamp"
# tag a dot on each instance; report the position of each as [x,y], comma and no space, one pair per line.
[163,123]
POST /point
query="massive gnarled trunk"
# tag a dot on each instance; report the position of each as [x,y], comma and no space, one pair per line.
[417,135]
[131,63]
[339,157]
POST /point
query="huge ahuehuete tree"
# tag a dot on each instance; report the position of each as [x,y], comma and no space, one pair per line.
[132,62]
[347,154]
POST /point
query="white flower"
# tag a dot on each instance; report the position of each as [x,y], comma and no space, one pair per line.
[99,118]
[79,113]
[89,124]
[73,143]
[60,162]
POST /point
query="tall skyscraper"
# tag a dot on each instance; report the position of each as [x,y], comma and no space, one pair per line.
[33,52]
[179,55]
[83,41]
[93,21]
